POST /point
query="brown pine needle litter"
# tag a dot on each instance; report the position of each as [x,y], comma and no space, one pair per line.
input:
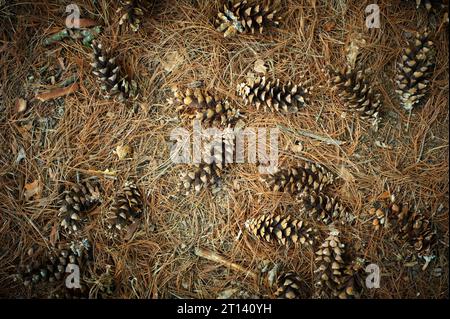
[196,245]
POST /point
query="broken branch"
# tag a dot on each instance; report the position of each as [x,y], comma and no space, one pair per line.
[207,254]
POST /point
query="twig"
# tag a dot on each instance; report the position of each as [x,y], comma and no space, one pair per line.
[57,93]
[301,132]
[207,254]
[421,147]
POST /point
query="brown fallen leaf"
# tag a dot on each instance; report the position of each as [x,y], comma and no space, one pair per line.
[131,230]
[21,105]
[123,151]
[32,189]
[54,234]
[329,26]
[260,66]
[84,23]
[57,93]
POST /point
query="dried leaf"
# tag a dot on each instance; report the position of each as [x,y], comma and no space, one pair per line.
[54,234]
[260,66]
[172,61]
[57,93]
[123,151]
[32,189]
[131,229]
[329,26]
[21,105]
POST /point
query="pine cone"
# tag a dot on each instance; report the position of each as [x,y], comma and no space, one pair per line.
[274,96]
[324,208]
[415,70]
[71,293]
[435,6]
[411,226]
[132,14]
[309,177]
[203,106]
[335,278]
[77,201]
[203,175]
[219,153]
[53,269]
[290,286]
[355,91]
[240,17]
[109,75]
[285,230]
[126,209]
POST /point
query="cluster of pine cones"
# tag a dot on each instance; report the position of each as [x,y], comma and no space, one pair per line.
[337,274]
[76,203]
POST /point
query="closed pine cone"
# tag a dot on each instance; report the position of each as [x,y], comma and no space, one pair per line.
[335,277]
[290,286]
[274,96]
[77,201]
[414,71]
[324,208]
[109,75]
[241,17]
[410,225]
[201,105]
[284,230]
[126,210]
[355,91]
[309,177]
[131,14]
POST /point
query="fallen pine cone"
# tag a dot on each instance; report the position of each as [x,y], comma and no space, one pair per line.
[284,230]
[77,201]
[241,17]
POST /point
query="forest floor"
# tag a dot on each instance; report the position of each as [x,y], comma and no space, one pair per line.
[52,142]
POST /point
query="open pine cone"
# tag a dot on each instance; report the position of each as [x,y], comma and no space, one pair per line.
[290,286]
[241,17]
[113,83]
[355,91]
[284,230]
[52,268]
[215,157]
[410,225]
[435,6]
[414,71]
[273,95]
[324,208]
[335,277]
[76,203]
[131,14]
[309,177]
[126,210]
[201,105]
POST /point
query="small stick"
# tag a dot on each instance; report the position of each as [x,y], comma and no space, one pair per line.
[57,93]
[207,254]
